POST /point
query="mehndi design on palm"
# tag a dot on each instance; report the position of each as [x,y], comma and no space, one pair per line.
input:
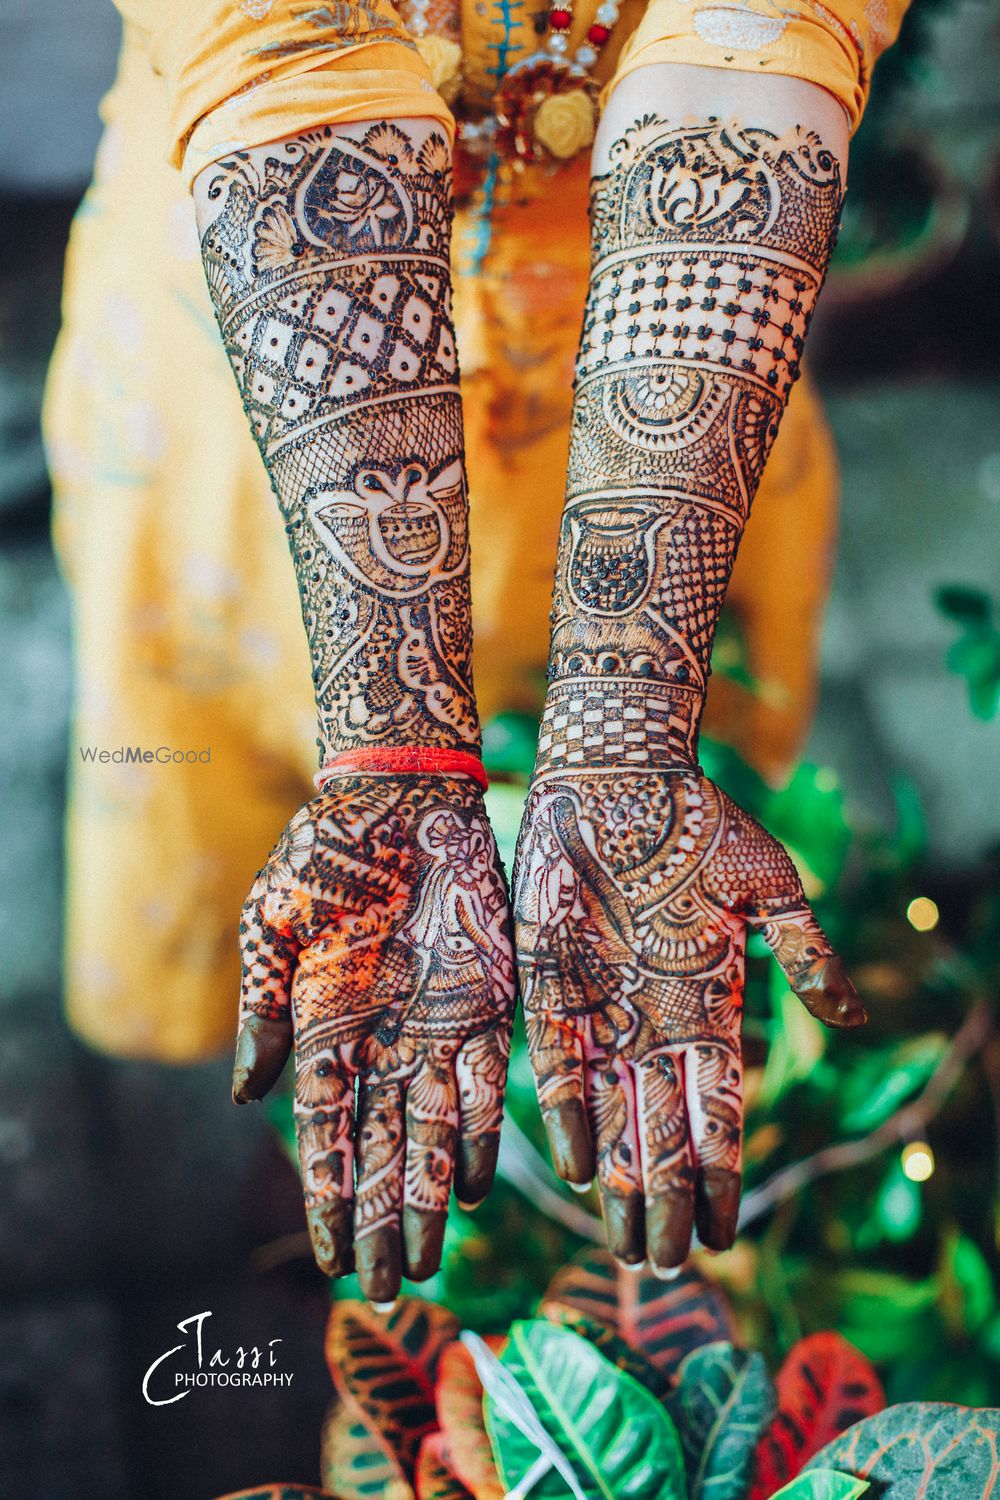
[633,896]
[636,878]
[379,931]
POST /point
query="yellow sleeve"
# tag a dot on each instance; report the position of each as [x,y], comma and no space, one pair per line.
[832,44]
[243,72]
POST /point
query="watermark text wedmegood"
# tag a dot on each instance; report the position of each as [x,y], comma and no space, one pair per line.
[186,1367]
[134,755]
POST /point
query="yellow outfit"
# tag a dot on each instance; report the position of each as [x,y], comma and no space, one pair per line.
[188,632]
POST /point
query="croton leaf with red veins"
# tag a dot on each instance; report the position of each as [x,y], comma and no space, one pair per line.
[436,1478]
[824,1386]
[922,1450]
[664,1320]
[385,1369]
[354,1464]
[460,1413]
[614,1348]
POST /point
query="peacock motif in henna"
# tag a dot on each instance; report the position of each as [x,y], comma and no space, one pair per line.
[636,878]
[378,933]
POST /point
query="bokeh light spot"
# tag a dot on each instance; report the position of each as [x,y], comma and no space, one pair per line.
[922,913]
[918,1161]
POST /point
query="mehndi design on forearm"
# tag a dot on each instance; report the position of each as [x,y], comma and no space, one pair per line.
[383,914]
[327,257]
[709,249]
[636,877]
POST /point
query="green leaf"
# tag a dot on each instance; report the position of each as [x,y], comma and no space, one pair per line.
[723,1402]
[921,1450]
[968,1296]
[885,1079]
[798,1041]
[884,1315]
[823,1484]
[975,656]
[612,1346]
[899,1205]
[968,606]
[617,1437]
[807,814]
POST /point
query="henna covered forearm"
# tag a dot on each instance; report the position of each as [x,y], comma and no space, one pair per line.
[327,257]
[710,243]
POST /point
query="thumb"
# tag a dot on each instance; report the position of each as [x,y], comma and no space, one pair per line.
[780,912]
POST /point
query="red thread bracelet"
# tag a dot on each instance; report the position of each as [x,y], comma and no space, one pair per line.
[403,760]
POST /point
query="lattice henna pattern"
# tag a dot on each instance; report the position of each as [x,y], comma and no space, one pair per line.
[710,247]
[327,257]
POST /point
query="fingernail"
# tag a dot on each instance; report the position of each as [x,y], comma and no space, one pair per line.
[470,1208]
[384,1307]
[423,1240]
[623,1225]
[581,1187]
[666,1273]
[717,1207]
[631,1265]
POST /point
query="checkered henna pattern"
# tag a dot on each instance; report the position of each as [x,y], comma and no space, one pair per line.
[327,257]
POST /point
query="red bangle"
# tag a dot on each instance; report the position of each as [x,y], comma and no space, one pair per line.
[403,760]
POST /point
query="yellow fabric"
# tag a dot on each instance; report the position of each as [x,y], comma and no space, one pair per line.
[833,46]
[237,75]
[188,633]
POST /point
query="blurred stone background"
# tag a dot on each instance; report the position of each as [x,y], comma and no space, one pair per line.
[132,1196]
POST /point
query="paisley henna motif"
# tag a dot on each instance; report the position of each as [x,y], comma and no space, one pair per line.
[384,943]
[636,878]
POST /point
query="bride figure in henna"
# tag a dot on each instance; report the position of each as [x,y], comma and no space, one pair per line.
[636,878]
[378,935]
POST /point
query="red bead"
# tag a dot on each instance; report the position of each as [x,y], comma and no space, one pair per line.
[559,19]
[598,35]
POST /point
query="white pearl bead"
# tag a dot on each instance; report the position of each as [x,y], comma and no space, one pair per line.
[558,43]
[586,56]
[607,15]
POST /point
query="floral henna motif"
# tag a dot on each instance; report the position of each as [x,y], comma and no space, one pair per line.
[636,877]
[327,257]
[378,931]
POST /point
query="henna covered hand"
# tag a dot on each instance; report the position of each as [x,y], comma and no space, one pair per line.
[378,936]
[636,878]
[632,901]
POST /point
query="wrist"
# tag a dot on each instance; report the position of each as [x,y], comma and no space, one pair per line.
[402,760]
[612,723]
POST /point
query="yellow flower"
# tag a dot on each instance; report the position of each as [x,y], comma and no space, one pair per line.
[444,63]
[564,124]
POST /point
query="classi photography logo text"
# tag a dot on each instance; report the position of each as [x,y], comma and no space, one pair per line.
[189,1366]
[135,755]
